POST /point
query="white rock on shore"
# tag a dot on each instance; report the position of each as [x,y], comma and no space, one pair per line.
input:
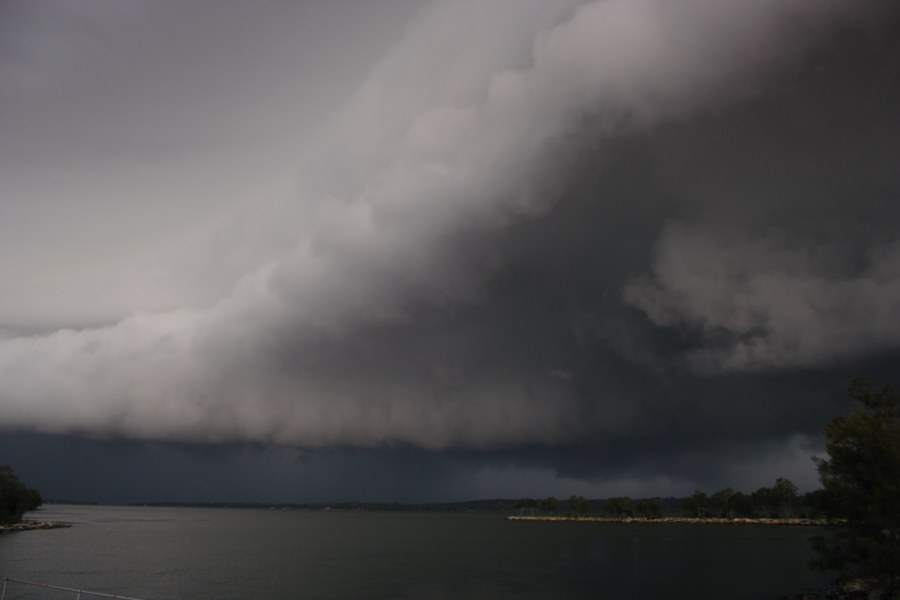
[30,525]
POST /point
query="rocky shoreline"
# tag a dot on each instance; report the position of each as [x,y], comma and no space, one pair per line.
[685,520]
[31,525]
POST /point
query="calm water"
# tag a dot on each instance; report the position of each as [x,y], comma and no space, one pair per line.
[167,553]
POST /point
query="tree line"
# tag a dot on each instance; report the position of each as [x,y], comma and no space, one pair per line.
[782,500]
[579,505]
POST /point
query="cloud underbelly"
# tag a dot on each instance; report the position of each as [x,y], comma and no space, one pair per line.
[373,317]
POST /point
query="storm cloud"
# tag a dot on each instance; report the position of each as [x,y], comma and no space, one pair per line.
[763,304]
[612,225]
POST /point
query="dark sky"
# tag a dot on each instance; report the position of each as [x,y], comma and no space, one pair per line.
[405,250]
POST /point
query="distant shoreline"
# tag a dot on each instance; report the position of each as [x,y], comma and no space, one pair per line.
[31,526]
[683,520]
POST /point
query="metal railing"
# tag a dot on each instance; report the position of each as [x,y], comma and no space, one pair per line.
[78,592]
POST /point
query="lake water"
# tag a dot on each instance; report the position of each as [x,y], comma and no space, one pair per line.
[200,553]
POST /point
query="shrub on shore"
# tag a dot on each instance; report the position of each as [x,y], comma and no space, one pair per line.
[15,497]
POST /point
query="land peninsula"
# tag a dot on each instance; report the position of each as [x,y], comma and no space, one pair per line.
[15,500]
[788,522]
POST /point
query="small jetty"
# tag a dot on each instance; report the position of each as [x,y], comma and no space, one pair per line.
[31,525]
[681,520]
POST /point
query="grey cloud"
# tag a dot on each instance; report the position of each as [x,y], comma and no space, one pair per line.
[133,132]
[763,304]
[396,298]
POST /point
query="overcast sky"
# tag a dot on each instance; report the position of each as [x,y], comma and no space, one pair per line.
[441,250]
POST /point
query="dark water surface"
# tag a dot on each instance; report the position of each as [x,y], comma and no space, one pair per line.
[206,554]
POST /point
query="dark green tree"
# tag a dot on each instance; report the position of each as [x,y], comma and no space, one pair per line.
[649,509]
[861,481]
[765,502]
[812,504]
[722,503]
[617,507]
[15,497]
[784,494]
[550,505]
[741,505]
[526,505]
[779,501]
[579,505]
[696,505]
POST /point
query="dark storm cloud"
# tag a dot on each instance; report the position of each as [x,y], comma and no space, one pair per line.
[792,259]
[636,232]
[124,471]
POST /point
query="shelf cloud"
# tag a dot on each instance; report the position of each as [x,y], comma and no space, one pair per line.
[531,223]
